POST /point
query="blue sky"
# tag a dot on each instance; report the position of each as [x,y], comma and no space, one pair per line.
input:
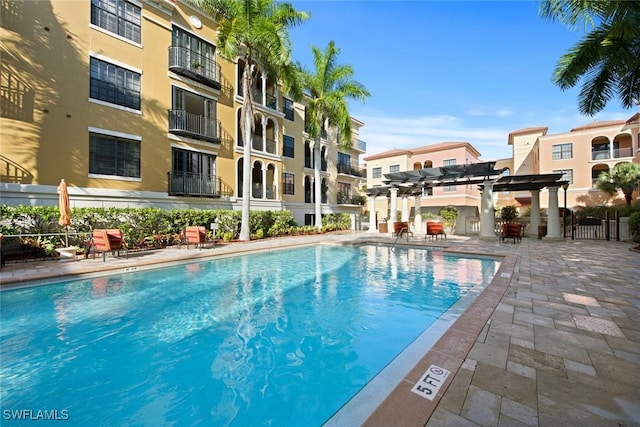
[448,70]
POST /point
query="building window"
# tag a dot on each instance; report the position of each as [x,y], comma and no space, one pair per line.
[344,163]
[567,174]
[449,162]
[117,16]
[562,151]
[115,85]
[394,168]
[287,146]
[287,109]
[448,188]
[376,173]
[288,183]
[109,155]
[344,192]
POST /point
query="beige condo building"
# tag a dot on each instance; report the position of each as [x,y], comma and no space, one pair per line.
[581,155]
[130,103]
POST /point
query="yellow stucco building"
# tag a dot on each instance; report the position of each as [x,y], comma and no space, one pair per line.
[129,102]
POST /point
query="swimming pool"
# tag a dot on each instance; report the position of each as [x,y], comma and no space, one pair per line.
[280,338]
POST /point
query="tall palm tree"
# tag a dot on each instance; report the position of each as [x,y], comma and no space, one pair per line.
[255,31]
[607,58]
[328,88]
[624,177]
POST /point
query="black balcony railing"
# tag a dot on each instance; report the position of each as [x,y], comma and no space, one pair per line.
[190,184]
[195,126]
[258,189]
[187,62]
[606,154]
[350,170]
[271,102]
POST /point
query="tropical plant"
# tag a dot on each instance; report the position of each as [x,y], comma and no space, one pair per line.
[607,58]
[256,31]
[449,214]
[508,213]
[624,177]
[328,88]
[634,225]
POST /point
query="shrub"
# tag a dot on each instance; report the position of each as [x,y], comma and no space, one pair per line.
[634,225]
[449,215]
[508,213]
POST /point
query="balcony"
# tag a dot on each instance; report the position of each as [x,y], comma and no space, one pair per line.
[257,144]
[190,184]
[194,126]
[606,154]
[257,191]
[346,199]
[350,170]
[189,63]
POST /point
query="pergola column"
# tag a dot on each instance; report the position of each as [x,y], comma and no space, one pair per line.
[394,206]
[417,220]
[535,213]
[487,216]
[372,214]
[553,216]
[405,209]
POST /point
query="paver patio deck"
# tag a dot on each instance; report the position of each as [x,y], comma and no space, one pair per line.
[553,341]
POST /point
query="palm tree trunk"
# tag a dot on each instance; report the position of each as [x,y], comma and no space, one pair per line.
[317,186]
[247,131]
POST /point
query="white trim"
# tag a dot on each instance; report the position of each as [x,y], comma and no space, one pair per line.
[192,141]
[116,106]
[187,148]
[118,36]
[190,31]
[115,62]
[187,80]
[115,133]
[195,92]
[158,23]
[156,5]
[114,177]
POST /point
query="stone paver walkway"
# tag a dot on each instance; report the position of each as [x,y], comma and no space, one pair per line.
[559,344]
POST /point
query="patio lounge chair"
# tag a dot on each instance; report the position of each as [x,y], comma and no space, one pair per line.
[196,235]
[435,229]
[401,227]
[511,230]
[105,240]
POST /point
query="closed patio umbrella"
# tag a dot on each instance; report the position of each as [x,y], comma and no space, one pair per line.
[65,211]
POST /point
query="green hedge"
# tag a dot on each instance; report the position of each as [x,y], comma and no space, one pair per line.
[151,226]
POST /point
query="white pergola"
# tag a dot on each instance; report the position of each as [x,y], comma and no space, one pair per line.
[415,182]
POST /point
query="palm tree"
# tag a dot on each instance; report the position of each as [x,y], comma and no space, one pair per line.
[624,176]
[328,88]
[608,57]
[255,31]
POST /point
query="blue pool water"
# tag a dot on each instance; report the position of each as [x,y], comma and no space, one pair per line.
[283,338]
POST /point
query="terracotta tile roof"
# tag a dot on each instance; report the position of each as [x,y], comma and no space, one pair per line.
[525,131]
[424,149]
[599,125]
[390,153]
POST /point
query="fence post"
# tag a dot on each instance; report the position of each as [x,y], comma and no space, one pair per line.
[607,232]
[617,226]
[573,225]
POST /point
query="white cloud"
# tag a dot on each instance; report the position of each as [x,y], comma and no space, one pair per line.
[386,133]
[502,112]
